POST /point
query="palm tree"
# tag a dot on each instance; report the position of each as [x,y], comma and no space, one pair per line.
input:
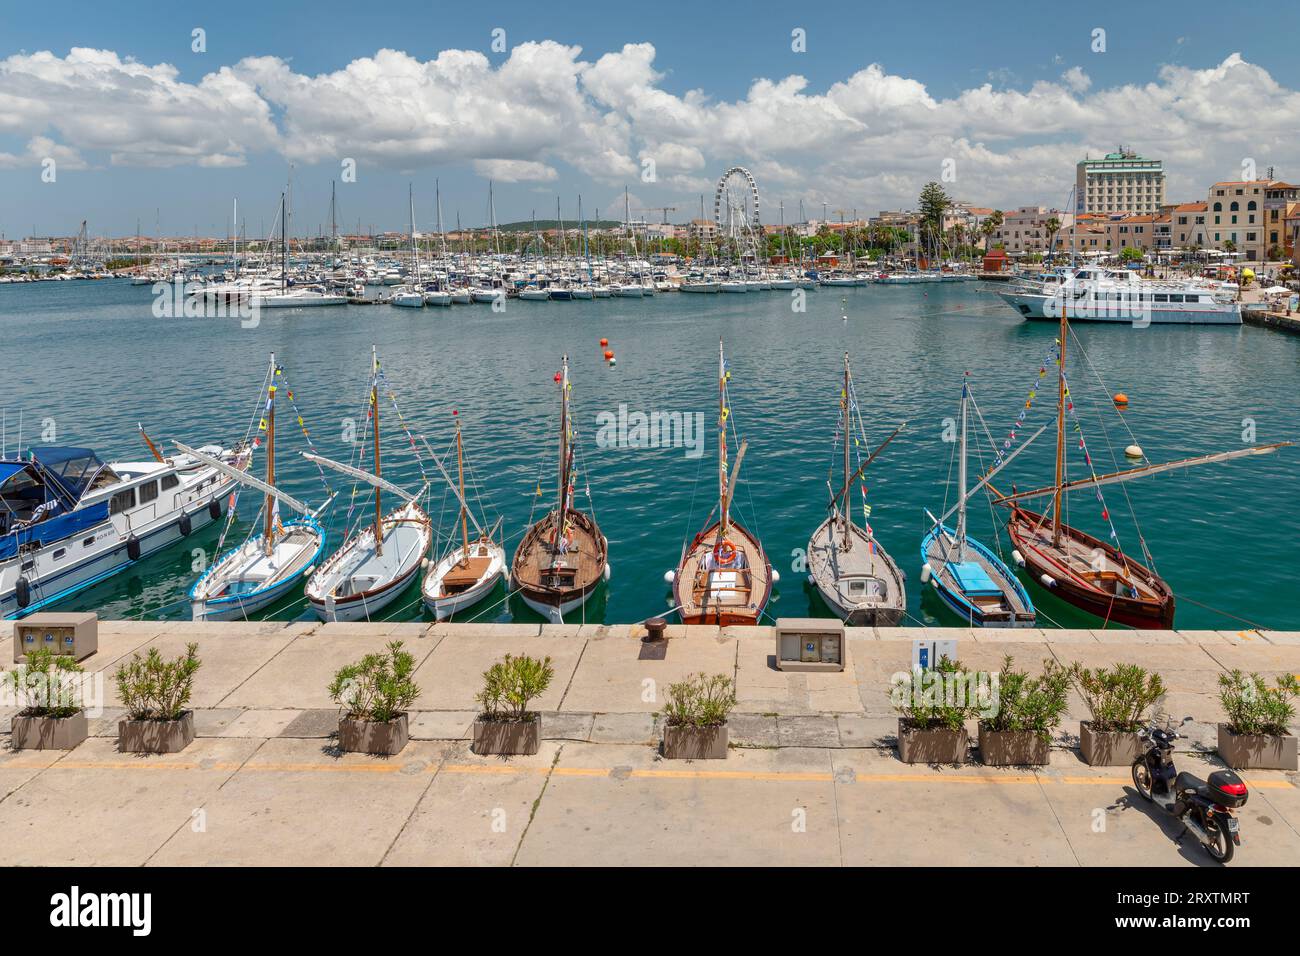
[1053,226]
[991,225]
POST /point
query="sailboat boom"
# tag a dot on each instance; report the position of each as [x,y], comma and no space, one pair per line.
[245,478]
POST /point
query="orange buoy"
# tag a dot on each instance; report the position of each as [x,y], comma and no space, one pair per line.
[604,342]
[609,353]
[1120,399]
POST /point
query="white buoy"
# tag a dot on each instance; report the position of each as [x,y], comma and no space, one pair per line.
[812,580]
[670,577]
[1133,451]
[1048,581]
[609,570]
[776,576]
[926,572]
[1019,558]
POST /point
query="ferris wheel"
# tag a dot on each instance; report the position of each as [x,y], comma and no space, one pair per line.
[735,205]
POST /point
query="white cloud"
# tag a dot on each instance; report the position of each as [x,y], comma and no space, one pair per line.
[872,139]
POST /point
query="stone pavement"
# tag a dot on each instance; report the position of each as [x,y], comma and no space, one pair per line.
[811,779]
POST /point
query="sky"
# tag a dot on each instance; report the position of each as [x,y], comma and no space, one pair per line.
[120,114]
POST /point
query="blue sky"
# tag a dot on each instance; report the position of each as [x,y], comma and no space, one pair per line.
[870,146]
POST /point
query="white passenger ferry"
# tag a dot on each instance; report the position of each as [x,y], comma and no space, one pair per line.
[1121,296]
[69,520]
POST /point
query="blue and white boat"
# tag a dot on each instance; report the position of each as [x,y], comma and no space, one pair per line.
[69,520]
[268,565]
[966,575]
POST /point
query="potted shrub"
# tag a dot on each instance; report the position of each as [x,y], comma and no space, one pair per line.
[52,717]
[695,717]
[375,694]
[1118,700]
[505,725]
[1019,731]
[155,693]
[934,705]
[1257,734]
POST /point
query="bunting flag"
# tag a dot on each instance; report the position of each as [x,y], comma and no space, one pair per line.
[1077,427]
[1001,454]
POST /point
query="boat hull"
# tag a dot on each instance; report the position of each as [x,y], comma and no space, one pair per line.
[443,605]
[833,572]
[1040,307]
[591,566]
[346,566]
[719,611]
[1015,609]
[239,607]
[1041,559]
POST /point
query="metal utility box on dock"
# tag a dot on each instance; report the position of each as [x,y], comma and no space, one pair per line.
[76,635]
[810,644]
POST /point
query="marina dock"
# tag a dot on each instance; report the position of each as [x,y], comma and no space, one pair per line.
[812,777]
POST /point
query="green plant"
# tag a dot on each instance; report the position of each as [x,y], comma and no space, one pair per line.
[1034,704]
[45,684]
[378,687]
[1118,697]
[701,700]
[509,684]
[1255,708]
[939,697]
[155,689]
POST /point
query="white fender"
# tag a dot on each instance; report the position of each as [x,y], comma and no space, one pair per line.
[776,576]
[1048,581]
[609,570]
[1017,557]
[926,573]
[670,577]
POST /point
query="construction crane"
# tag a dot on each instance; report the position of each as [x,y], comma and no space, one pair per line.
[664,209]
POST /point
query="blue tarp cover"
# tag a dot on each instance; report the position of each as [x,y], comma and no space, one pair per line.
[973,579]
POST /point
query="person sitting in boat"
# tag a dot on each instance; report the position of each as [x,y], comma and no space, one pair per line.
[47,510]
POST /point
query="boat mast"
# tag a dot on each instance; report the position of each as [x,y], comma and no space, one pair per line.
[268,537]
[724,521]
[1060,428]
[284,249]
[374,408]
[848,475]
[334,233]
[961,479]
[460,468]
[562,507]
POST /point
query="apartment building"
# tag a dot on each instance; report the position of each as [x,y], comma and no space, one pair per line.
[1235,218]
[1024,230]
[1119,182]
[1279,197]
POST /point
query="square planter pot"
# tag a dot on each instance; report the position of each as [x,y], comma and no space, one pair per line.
[696,743]
[1013,748]
[517,737]
[1256,751]
[373,737]
[156,736]
[931,746]
[48,733]
[1109,748]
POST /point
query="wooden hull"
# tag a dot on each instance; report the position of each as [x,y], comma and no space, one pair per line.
[1091,574]
[555,583]
[862,585]
[444,594]
[734,594]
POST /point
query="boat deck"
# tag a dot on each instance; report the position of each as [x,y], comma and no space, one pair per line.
[861,576]
[737,590]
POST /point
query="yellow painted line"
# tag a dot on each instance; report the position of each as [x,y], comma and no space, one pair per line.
[776,775]
[141,764]
[326,768]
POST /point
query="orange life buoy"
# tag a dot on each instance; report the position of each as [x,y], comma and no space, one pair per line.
[724,554]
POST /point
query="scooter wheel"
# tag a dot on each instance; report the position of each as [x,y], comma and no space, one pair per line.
[1142,778]
[1220,846]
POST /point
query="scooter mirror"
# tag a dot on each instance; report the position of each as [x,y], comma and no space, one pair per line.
[1187,719]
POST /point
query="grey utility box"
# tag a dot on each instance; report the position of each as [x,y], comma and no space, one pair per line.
[76,635]
[810,644]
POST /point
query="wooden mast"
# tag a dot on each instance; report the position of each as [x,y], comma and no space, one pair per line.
[374,406]
[1060,428]
[268,536]
[464,522]
[848,475]
[724,521]
[961,479]
[562,506]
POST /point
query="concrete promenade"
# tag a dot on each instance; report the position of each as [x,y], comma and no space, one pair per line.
[812,777]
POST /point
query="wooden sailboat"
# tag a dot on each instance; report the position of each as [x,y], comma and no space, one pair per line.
[724,576]
[966,574]
[468,573]
[1094,575]
[268,565]
[856,577]
[563,557]
[376,564]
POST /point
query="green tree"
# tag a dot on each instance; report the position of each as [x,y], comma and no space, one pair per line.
[931,204]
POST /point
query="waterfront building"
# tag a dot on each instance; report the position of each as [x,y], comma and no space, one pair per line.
[1278,198]
[1119,182]
[1024,230]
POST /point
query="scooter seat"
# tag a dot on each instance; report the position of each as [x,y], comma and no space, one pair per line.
[1188,781]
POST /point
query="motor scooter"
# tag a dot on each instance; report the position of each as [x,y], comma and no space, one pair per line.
[1205,807]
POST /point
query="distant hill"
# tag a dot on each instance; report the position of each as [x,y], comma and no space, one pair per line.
[527,225]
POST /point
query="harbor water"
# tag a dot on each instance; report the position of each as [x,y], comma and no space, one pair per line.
[85,361]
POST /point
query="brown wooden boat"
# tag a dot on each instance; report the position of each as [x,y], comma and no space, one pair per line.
[564,556]
[1094,575]
[724,576]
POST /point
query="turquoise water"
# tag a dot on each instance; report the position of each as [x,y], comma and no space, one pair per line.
[90,359]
